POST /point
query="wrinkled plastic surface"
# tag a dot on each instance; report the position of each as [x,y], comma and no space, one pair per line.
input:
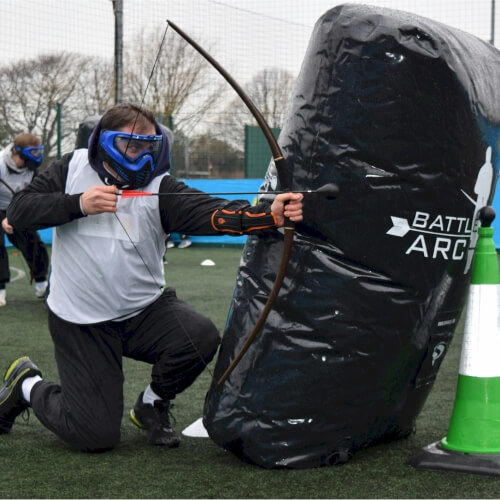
[402,113]
[85,129]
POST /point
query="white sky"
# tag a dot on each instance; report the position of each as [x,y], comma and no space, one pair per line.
[244,35]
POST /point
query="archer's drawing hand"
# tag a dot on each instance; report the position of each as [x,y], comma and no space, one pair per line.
[99,199]
[292,209]
[6,226]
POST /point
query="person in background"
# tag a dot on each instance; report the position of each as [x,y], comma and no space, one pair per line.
[18,164]
[184,243]
[107,295]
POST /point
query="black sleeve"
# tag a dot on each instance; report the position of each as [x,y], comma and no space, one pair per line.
[189,211]
[43,203]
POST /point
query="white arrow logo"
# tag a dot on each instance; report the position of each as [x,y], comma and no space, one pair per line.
[400,227]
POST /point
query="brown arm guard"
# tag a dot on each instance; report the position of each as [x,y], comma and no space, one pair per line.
[241,221]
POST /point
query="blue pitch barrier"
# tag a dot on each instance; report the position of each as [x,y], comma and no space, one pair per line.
[209,186]
[240,185]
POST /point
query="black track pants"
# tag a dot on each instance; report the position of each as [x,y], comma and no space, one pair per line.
[86,408]
[32,248]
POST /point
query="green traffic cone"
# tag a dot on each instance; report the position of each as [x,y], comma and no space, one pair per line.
[475,421]
[472,443]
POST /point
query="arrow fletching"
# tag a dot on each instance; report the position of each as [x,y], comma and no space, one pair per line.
[130,193]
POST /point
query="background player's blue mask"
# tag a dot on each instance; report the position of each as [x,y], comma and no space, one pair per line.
[132,156]
[32,155]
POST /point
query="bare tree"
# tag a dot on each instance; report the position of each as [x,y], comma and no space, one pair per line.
[96,87]
[33,91]
[181,85]
[270,90]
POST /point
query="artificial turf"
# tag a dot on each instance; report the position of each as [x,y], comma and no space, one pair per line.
[35,464]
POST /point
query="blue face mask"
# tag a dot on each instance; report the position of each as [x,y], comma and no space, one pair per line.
[132,156]
[32,155]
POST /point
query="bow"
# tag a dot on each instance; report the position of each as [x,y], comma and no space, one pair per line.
[285,183]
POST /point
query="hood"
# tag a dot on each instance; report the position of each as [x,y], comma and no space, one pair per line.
[9,161]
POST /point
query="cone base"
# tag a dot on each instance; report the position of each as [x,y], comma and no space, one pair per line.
[435,457]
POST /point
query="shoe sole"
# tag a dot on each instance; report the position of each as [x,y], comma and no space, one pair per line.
[13,366]
[135,420]
[8,373]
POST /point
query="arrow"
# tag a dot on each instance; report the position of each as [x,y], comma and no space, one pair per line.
[329,191]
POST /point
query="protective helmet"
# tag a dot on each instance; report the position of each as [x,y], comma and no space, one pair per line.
[32,155]
[132,156]
[133,168]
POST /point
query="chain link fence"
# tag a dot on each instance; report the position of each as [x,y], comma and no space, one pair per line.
[60,62]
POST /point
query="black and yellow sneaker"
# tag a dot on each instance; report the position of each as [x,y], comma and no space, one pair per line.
[12,402]
[156,421]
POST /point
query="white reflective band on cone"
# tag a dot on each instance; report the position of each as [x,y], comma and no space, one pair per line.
[481,344]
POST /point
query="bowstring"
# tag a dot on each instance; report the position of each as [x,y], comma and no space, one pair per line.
[157,58]
[137,251]
[191,341]
[181,324]
[128,142]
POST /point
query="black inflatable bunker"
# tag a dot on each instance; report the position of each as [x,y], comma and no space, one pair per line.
[402,113]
